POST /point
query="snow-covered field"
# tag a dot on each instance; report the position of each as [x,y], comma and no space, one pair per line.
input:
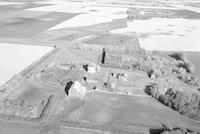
[89,14]
[166,34]
[16,57]
[91,18]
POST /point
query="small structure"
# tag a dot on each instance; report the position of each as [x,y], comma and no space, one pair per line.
[114,74]
[122,76]
[75,89]
[103,56]
[92,68]
[154,76]
[113,85]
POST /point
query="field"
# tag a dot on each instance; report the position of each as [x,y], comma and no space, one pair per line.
[16,57]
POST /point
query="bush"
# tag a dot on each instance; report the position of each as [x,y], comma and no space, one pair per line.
[179,56]
[187,66]
[184,64]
